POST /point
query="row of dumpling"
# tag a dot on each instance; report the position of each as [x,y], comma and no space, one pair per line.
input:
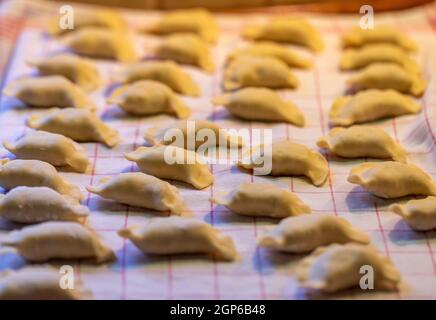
[38,194]
[389,75]
[329,238]
[155,81]
[388,179]
[319,270]
[139,189]
[264,65]
[277,202]
[65,78]
[267,62]
[299,233]
[104,34]
[386,76]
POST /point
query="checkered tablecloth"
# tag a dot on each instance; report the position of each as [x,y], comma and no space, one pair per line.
[260,274]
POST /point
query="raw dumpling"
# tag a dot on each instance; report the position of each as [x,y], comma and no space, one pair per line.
[102,43]
[361,142]
[307,232]
[105,19]
[358,37]
[388,76]
[291,159]
[78,124]
[260,104]
[271,49]
[167,72]
[141,190]
[190,134]
[252,71]
[58,240]
[76,69]
[289,30]
[370,105]
[187,49]
[177,235]
[338,266]
[264,200]
[172,163]
[390,179]
[196,21]
[419,214]
[353,59]
[48,92]
[37,204]
[149,97]
[53,148]
[35,173]
[39,283]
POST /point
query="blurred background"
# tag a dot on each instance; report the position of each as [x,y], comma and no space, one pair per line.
[223,5]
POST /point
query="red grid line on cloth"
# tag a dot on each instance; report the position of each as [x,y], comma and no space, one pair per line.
[427,121]
[200,272]
[10,30]
[216,286]
[123,294]
[241,229]
[10,26]
[321,120]
[170,285]
[258,255]
[334,174]
[115,156]
[257,252]
[385,241]
[288,138]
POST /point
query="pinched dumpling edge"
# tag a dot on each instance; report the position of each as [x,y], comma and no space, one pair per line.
[292,115]
[341,102]
[101,252]
[175,106]
[82,100]
[66,188]
[295,240]
[386,279]
[391,147]
[101,131]
[177,208]
[68,208]
[416,214]
[40,273]
[359,81]
[316,174]
[356,177]
[221,247]
[298,206]
[191,160]
[232,74]
[78,162]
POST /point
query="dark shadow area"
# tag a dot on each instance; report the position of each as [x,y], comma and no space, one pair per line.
[266,261]
[111,207]
[222,215]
